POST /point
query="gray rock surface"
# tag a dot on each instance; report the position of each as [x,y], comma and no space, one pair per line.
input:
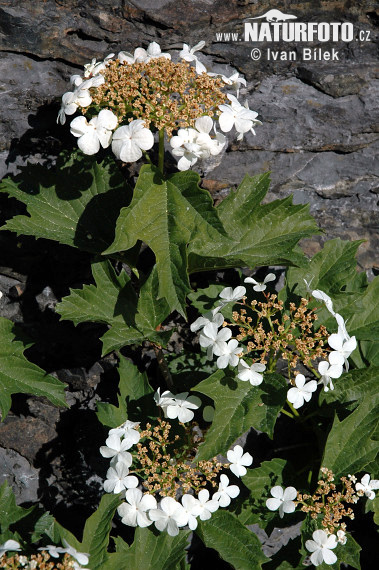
[20,475]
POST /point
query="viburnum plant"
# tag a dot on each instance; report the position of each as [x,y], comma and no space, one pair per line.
[296,363]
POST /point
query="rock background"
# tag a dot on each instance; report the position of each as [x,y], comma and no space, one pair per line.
[319,139]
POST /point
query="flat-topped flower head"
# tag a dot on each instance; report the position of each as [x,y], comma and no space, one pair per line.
[321,547]
[282,500]
[166,95]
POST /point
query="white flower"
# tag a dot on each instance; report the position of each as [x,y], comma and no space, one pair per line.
[170,515]
[238,116]
[342,349]
[134,512]
[130,140]
[94,133]
[211,317]
[164,400]
[207,506]
[95,67]
[118,479]
[192,507]
[302,391]
[116,449]
[188,54]
[127,431]
[260,286]
[225,492]
[318,294]
[80,97]
[209,146]
[239,461]
[193,144]
[341,537]
[229,294]
[251,373]
[368,487]
[141,55]
[9,545]
[53,550]
[213,339]
[81,557]
[182,407]
[229,353]
[189,154]
[341,327]
[327,373]
[283,500]
[233,81]
[321,546]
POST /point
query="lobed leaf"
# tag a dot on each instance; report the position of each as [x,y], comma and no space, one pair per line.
[150,550]
[349,447]
[232,540]
[166,214]
[134,387]
[17,374]
[9,511]
[238,406]
[77,203]
[258,234]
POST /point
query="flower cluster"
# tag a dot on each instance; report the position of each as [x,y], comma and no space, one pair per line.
[327,505]
[125,100]
[270,333]
[167,486]
[43,560]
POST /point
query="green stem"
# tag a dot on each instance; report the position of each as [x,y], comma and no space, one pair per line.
[295,412]
[161,151]
[283,411]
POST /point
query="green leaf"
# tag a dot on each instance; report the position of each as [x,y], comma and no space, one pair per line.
[149,551]
[134,388]
[166,214]
[17,374]
[232,540]
[258,234]
[97,528]
[44,525]
[238,406]
[330,270]
[349,447]
[113,301]
[364,323]
[259,481]
[354,386]
[76,203]
[9,511]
